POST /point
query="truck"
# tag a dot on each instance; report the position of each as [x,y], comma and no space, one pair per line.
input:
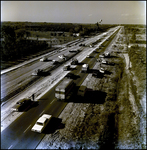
[41,123]
[63,90]
[85,68]
[82,90]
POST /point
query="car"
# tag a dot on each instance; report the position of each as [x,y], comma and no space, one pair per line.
[66,67]
[103,61]
[37,72]
[44,59]
[21,104]
[101,56]
[41,123]
[55,62]
[73,50]
[62,57]
[91,46]
[70,75]
[102,70]
[74,62]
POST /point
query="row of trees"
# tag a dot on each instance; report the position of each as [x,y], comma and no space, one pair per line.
[16,45]
[64,27]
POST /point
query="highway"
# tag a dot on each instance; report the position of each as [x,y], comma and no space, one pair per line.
[18,134]
[18,79]
[47,104]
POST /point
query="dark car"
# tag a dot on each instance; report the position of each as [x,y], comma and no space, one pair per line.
[74,62]
[70,75]
[21,104]
[37,72]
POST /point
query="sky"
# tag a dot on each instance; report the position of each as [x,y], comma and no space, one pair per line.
[111,12]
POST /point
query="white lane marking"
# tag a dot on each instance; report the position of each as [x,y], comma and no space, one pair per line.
[52,101]
[27,128]
[10,146]
[42,112]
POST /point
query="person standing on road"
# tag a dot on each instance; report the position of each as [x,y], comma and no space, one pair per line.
[33,97]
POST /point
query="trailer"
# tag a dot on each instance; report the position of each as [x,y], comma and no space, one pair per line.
[65,89]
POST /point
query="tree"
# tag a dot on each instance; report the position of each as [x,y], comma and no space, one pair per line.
[20,33]
[133,38]
[8,33]
[28,34]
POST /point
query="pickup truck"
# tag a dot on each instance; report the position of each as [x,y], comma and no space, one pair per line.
[21,104]
[41,123]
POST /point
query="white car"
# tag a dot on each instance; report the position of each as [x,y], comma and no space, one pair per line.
[101,56]
[44,59]
[103,61]
[102,70]
[41,123]
[62,56]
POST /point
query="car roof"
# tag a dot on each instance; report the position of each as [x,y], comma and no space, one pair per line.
[42,119]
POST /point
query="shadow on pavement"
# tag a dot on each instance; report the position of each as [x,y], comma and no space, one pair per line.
[91,96]
[29,106]
[54,125]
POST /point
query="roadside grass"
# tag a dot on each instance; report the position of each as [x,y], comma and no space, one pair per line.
[138,60]
[100,123]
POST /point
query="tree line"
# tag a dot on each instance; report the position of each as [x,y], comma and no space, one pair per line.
[15,35]
[15,44]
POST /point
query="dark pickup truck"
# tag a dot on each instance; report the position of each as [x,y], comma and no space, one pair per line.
[21,104]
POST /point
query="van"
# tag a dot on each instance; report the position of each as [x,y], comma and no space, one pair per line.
[82,90]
